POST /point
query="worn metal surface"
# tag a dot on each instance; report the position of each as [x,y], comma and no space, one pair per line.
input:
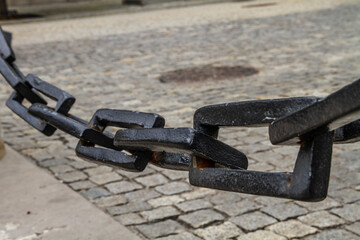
[210,162]
[308,182]
[184,141]
[338,109]
[246,114]
[63,105]
[5,46]
[117,118]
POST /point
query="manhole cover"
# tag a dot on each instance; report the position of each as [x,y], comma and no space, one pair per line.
[207,73]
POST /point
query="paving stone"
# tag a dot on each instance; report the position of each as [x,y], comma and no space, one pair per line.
[198,193]
[181,236]
[253,221]
[201,218]
[121,187]
[152,180]
[336,184]
[38,154]
[94,193]
[355,228]
[111,201]
[98,170]
[349,212]
[160,213]
[346,195]
[130,219]
[165,201]
[53,162]
[142,195]
[72,176]
[321,219]
[237,208]
[292,229]
[176,175]
[131,175]
[105,178]
[173,188]
[261,235]
[81,185]
[61,168]
[333,234]
[193,205]
[80,164]
[225,197]
[317,206]
[131,207]
[160,229]
[264,167]
[283,211]
[223,231]
[270,200]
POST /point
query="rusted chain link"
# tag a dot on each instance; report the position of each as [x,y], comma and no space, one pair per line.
[312,123]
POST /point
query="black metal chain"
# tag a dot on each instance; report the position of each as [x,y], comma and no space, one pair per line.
[313,124]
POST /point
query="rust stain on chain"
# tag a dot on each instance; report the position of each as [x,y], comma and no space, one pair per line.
[203,163]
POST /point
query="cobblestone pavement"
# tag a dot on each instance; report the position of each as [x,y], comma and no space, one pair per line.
[298,54]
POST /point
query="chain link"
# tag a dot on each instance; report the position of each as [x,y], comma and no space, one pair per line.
[312,123]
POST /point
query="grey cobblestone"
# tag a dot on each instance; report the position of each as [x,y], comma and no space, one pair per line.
[355,228]
[123,186]
[160,213]
[130,219]
[152,180]
[173,188]
[328,203]
[237,208]
[164,201]
[97,170]
[131,175]
[181,236]
[292,229]
[226,230]
[333,234]
[111,201]
[193,205]
[160,229]
[253,221]
[198,193]
[73,176]
[175,175]
[94,193]
[261,235]
[81,185]
[321,219]
[79,164]
[53,162]
[349,212]
[105,178]
[225,197]
[346,195]
[143,195]
[129,208]
[61,168]
[283,211]
[201,218]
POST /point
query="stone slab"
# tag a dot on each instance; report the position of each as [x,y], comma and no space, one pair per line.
[37,205]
